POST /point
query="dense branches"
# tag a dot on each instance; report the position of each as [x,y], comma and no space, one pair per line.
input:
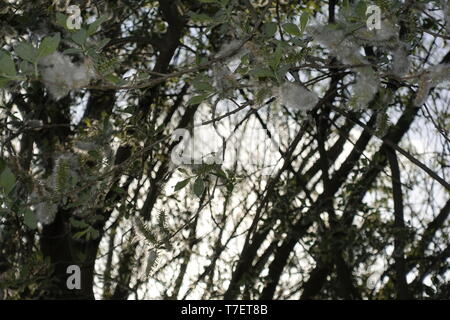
[350,202]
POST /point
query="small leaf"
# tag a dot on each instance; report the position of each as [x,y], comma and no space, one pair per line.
[184,171]
[304,20]
[26,51]
[7,66]
[361,9]
[72,51]
[203,86]
[29,218]
[276,58]
[102,43]
[201,60]
[221,173]
[80,37]
[261,72]
[197,99]
[93,27]
[199,186]
[4,82]
[93,233]
[292,29]
[26,67]
[205,168]
[201,17]
[180,185]
[80,224]
[7,180]
[61,20]
[113,79]
[48,45]
[80,234]
[270,29]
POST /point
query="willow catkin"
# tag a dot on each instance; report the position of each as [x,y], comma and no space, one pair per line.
[60,75]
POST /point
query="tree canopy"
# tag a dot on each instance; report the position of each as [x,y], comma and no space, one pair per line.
[225,149]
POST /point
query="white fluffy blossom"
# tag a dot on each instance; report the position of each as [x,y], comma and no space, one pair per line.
[334,39]
[327,36]
[294,95]
[46,212]
[400,60]
[60,74]
[365,88]
[347,50]
[46,209]
[434,76]
[223,72]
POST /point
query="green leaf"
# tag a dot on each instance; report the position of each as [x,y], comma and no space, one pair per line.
[292,29]
[26,67]
[197,99]
[261,72]
[199,186]
[221,173]
[7,180]
[180,185]
[7,66]
[201,60]
[184,171]
[92,234]
[113,79]
[80,37]
[92,52]
[93,27]
[27,52]
[78,223]
[72,51]
[29,218]
[203,86]
[202,169]
[304,20]
[61,20]
[80,234]
[245,60]
[270,29]
[201,17]
[361,9]
[103,43]
[48,45]
[4,82]
[276,58]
